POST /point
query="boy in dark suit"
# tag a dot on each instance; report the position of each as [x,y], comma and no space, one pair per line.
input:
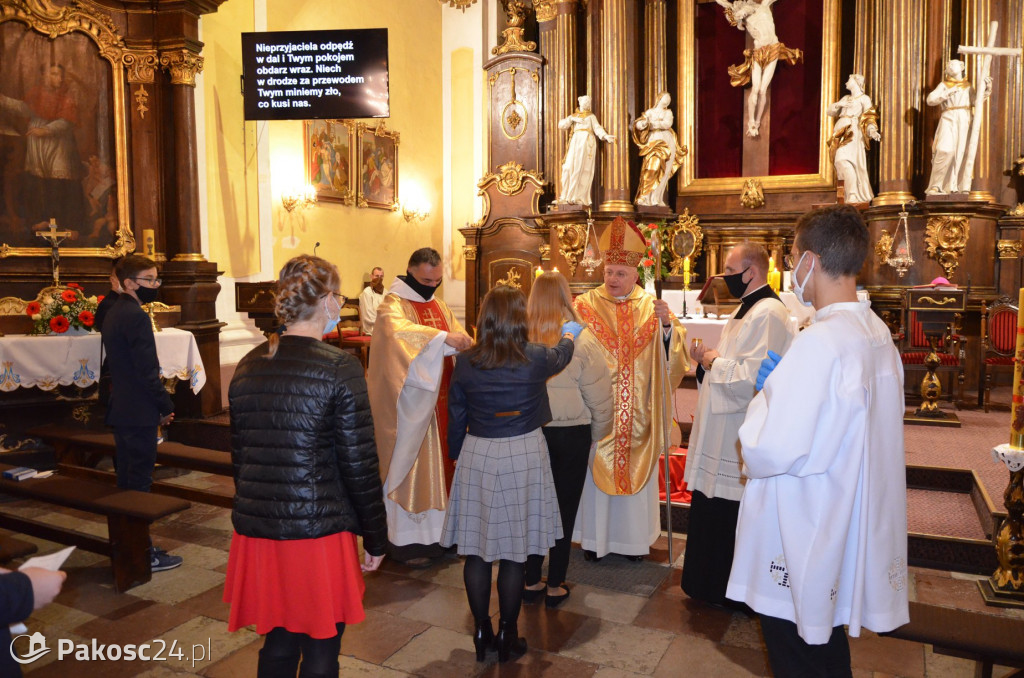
[138,401]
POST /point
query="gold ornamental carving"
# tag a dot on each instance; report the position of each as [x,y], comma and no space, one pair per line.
[511,178]
[140,65]
[459,4]
[545,252]
[572,240]
[1008,249]
[946,238]
[685,238]
[513,35]
[184,65]
[1017,211]
[514,116]
[54,21]
[141,99]
[469,252]
[883,247]
[511,279]
[752,196]
[546,10]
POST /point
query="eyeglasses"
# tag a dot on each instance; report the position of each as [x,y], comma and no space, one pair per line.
[790,262]
[341,298]
[150,281]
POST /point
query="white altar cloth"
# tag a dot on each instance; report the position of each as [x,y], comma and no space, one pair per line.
[51,360]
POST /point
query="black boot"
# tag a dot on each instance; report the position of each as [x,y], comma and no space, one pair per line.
[483,639]
[510,644]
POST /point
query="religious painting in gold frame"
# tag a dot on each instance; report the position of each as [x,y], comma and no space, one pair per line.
[689,180]
[377,155]
[62,72]
[329,152]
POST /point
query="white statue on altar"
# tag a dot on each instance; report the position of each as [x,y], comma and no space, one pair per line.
[581,155]
[759,63]
[949,146]
[856,124]
[660,152]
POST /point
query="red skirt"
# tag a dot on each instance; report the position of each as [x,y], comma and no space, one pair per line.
[304,585]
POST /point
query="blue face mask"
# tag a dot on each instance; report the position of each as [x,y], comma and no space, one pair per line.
[332,322]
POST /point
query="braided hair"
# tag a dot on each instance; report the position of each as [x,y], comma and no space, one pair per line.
[302,283]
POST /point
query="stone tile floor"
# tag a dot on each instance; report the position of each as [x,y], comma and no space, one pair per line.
[418,623]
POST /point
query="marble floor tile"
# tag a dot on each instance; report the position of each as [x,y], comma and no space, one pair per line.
[447,572]
[702,657]
[135,628]
[351,667]
[538,664]
[209,603]
[548,629]
[610,672]
[630,648]
[899,657]
[604,604]
[182,583]
[743,631]
[448,608]
[239,664]
[386,592]
[438,653]
[202,556]
[201,641]
[56,618]
[379,636]
[99,600]
[683,615]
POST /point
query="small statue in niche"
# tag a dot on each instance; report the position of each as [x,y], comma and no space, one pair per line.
[856,124]
[660,152]
[949,145]
[581,155]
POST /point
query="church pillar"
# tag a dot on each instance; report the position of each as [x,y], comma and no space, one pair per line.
[557,20]
[145,110]
[614,187]
[976,17]
[899,97]
[1011,104]
[865,61]
[937,53]
[655,61]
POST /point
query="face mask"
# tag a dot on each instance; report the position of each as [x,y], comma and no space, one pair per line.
[331,322]
[147,295]
[425,291]
[734,282]
[798,287]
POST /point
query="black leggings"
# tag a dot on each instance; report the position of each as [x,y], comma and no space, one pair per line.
[279,657]
[477,576]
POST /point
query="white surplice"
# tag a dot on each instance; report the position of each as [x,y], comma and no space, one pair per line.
[822,533]
[713,459]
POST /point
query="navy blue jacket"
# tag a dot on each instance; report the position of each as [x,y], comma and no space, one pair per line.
[137,396]
[16,603]
[505,401]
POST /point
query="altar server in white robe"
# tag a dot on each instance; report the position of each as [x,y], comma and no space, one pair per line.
[821,540]
[727,374]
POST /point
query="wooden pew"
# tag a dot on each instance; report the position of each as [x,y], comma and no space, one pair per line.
[129,515]
[78,450]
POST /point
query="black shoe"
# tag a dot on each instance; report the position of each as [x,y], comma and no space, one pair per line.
[483,639]
[510,645]
[160,560]
[531,596]
[591,556]
[635,559]
[554,601]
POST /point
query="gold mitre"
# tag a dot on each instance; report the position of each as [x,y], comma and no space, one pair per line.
[622,244]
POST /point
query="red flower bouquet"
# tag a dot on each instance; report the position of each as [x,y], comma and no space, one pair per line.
[62,309]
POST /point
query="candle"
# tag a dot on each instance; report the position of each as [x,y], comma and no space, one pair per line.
[686,267]
[149,242]
[1016,426]
[771,264]
[536,274]
[686,274]
[554,270]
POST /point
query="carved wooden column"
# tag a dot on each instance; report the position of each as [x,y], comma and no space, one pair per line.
[976,17]
[1011,28]
[865,58]
[614,187]
[655,61]
[144,109]
[899,97]
[937,53]
[557,20]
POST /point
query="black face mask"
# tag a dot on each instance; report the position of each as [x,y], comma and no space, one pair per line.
[735,283]
[147,295]
[425,291]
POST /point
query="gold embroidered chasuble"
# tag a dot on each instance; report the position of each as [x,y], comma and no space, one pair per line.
[644,380]
[402,333]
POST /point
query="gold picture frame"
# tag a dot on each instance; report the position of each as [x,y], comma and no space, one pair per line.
[377,157]
[60,27]
[329,151]
[688,182]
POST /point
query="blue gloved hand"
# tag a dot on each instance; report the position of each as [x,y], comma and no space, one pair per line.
[572,327]
[767,365]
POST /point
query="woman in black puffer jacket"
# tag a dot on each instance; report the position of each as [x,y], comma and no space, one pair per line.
[306,482]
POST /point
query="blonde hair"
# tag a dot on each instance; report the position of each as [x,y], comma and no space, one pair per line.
[549,307]
[302,283]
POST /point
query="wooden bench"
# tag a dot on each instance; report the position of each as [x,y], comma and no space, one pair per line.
[129,515]
[11,547]
[78,450]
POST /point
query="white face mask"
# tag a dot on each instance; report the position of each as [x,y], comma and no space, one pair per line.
[332,321]
[798,287]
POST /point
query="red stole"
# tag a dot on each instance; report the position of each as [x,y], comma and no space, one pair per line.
[428,313]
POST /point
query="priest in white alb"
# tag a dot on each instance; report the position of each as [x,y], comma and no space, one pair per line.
[645,348]
[821,540]
[414,337]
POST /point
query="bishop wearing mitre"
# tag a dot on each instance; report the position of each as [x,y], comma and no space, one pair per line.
[645,348]
[414,339]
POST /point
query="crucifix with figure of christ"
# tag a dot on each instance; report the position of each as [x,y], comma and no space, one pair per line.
[986,52]
[55,238]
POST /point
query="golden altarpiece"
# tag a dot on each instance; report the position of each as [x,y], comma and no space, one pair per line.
[123,74]
[625,53]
